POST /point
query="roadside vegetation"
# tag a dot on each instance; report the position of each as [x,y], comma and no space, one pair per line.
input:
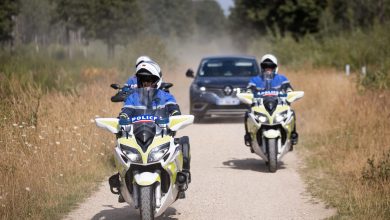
[57,59]
[52,155]
[345,142]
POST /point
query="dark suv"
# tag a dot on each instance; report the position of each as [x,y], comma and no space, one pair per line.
[213,91]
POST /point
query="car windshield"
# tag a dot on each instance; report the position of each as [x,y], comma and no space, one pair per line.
[228,67]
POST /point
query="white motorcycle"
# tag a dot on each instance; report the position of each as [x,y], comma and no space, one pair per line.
[149,159]
[269,123]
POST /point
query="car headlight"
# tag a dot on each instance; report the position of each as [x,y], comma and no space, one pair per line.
[157,153]
[131,153]
[281,117]
[262,118]
[202,88]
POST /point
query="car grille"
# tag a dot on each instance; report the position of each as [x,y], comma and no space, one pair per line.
[219,92]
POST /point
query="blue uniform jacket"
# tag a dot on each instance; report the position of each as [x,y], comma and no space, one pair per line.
[279,82]
[163,100]
[132,82]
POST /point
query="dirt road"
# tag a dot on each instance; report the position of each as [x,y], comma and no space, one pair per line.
[228,182]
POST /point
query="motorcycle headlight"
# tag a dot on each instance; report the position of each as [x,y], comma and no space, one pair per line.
[131,153]
[262,118]
[157,153]
[281,117]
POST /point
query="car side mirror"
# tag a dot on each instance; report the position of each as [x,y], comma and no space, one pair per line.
[190,73]
[115,86]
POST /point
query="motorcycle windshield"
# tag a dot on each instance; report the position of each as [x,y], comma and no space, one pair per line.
[148,106]
[149,112]
[265,93]
[271,98]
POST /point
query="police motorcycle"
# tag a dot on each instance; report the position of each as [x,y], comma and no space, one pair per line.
[125,91]
[148,157]
[269,122]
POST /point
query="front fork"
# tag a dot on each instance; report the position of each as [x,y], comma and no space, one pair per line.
[147,179]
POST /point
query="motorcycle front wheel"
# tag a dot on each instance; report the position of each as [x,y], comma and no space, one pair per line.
[272,155]
[147,202]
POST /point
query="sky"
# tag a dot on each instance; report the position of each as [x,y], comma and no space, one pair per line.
[226,4]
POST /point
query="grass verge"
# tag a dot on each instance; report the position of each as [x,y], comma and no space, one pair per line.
[52,155]
[345,136]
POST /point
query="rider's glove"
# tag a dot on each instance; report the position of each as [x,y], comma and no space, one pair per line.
[175,112]
[124,119]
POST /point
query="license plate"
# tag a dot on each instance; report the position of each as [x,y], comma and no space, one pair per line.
[228,101]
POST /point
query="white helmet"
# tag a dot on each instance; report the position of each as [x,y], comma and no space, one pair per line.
[269,59]
[142,59]
[150,70]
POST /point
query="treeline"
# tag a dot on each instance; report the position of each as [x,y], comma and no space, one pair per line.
[46,22]
[300,18]
[330,33]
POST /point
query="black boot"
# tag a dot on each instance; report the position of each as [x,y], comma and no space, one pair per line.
[121,199]
[248,139]
[247,136]
[114,183]
[185,144]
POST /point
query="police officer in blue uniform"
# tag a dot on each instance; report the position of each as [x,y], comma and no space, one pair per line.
[132,80]
[270,79]
[148,76]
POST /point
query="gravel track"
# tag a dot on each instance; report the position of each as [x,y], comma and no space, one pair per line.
[228,182]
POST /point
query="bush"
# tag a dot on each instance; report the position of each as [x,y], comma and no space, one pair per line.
[377,171]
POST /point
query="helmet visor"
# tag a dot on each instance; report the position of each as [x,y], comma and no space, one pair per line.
[268,65]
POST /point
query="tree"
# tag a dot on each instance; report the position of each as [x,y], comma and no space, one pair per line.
[298,17]
[113,22]
[8,10]
[34,21]
[167,18]
[209,18]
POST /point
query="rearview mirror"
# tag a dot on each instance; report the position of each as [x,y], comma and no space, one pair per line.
[190,73]
[294,96]
[166,85]
[115,86]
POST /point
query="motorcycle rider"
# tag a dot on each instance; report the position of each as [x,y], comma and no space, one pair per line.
[132,80]
[148,75]
[269,78]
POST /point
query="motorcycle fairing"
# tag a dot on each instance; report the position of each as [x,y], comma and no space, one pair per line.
[180,121]
[294,96]
[246,98]
[146,178]
[271,133]
[261,109]
[157,141]
[110,124]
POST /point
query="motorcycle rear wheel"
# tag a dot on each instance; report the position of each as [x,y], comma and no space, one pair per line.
[272,155]
[147,202]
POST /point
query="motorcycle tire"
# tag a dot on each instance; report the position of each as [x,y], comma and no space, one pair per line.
[272,155]
[147,201]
